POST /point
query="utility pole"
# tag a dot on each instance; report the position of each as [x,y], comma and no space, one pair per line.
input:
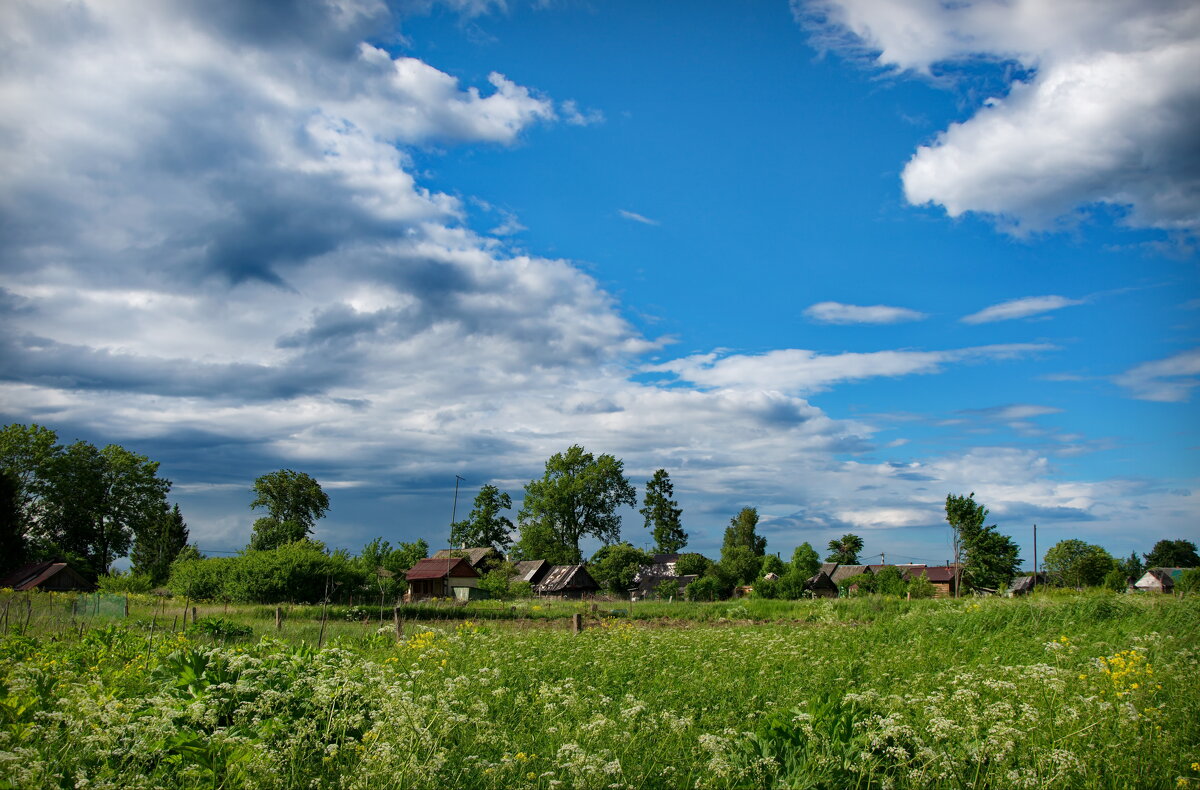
[1035,567]
[453,517]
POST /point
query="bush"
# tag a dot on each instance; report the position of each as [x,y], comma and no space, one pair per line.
[692,564]
[706,588]
[117,582]
[666,589]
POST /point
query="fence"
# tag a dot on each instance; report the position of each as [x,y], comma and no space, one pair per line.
[42,612]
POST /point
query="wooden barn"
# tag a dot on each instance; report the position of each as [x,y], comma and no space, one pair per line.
[821,586]
[532,571]
[944,580]
[1159,580]
[46,577]
[568,581]
[441,578]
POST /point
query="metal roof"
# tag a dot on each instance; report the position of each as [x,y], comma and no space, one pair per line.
[473,555]
[434,568]
[561,578]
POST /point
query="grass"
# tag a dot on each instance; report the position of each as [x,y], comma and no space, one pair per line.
[1088,691]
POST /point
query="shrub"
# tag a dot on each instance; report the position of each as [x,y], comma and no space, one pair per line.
[118,582]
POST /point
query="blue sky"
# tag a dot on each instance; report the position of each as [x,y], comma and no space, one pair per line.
[833,260]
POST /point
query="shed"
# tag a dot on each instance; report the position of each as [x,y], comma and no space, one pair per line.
[821,586]
[532,571]
[568,581]
[441,578]
[1161,580]
[45,577]
[943,578]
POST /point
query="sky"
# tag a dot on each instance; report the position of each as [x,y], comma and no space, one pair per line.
[833,260]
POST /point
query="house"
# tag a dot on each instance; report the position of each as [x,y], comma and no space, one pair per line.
[46,577]
[1024,585]
[821,585]
[532,571]
[568,581]
[843,572]
[944,579]
[442,578]
[482,558]
[1161,580]
[647,587]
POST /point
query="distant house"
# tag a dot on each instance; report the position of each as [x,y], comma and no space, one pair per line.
[442,578]
[46,577]
[944,579]
[482,558]
[1024,585]
[648,586]
[532,571]
[1162,580]
[661,569]
[821,585]
[568,581]
[843,572]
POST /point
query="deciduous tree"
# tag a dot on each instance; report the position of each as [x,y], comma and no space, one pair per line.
[294,502]
[845,549]
[484,526]
[988,558]
[1173,554]
[1078,564]
[614,566]
[578,495]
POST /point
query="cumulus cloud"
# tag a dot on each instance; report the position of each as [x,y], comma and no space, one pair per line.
[1019,308]
[1169,380]
[1102,108]
[804,371]
[838,313]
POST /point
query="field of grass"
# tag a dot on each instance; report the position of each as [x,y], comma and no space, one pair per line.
[1057,691]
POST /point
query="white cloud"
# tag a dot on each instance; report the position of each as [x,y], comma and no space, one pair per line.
[805,371]
[1020,308]
[838,313]
[1107,112]
[629,215]
[569,111]
[1169,380]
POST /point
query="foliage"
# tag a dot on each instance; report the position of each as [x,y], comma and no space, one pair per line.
[805,560]
[613,567]
[741,532]
[666,589]
[921,587]
[1115,580]
[1078,564]
[294,502]
[691,563]
[484,526]
[156,545]
[845,549]
[128,582]
[990,558]
[662,514]
[1131,568]
[12,535]
[498,582]
[539,541]
[79,503]
[706,588]
[739,565]
[1189,582]
[1173,554]
[300,571]
[379,555]
[578,495]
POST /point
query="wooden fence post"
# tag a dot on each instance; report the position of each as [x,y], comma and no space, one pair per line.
[399,623]
[576,623]
[193,615]
[278,618]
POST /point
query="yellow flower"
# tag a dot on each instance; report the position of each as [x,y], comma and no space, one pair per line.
[531,776]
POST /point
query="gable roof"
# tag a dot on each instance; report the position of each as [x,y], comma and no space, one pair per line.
[1165,577]
[530,571]
[828,568]
[29,577]
[434,568]
[561,578]
[844,572]
[941,574]
[474,555]
[820,582]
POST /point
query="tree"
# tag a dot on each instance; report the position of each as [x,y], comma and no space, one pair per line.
[1189,582]
[1131,568]
[26,453]
[845,549]
[293,500]
[988,559]
[1173,554]
[12,536]
[578,495]
[662,515]
[613,567]
[1078,564]
[156,546]
[805,561]
[691,563]
[772,564]
[484,526]
[741,532]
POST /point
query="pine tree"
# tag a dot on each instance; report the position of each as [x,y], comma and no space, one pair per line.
[662,515]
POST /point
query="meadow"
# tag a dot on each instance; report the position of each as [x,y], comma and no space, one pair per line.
[1078,690]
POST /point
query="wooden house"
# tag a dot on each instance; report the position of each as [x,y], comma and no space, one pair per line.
[944,579]
[46,577]
[844,572]
[442,578]
[568,581]
[821,585]
[1160,580]
[1024,585]
[532,571]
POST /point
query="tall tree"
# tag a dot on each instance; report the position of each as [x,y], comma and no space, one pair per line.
[1078,564]
[614,566]
[742,532]
[156,546]
[12,536]
[578,495]
[988,559]
[1132,567]
[662,514]
[26,455]
[135,501]
[294,502]
[1173,554]
[805,560]
[845,550]
[484,526]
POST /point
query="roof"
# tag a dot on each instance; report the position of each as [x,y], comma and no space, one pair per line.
[844,572]
[530,571]
[1164,576]
[941,574]
[474,555]
[827,568]
[434,568]
[650,583]
[821,581]
[30,576]
[561,578]
[663,559]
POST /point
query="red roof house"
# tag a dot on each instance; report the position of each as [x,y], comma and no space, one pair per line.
[437,578]
[45,576]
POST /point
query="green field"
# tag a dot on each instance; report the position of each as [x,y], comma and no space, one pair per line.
[1094,690]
